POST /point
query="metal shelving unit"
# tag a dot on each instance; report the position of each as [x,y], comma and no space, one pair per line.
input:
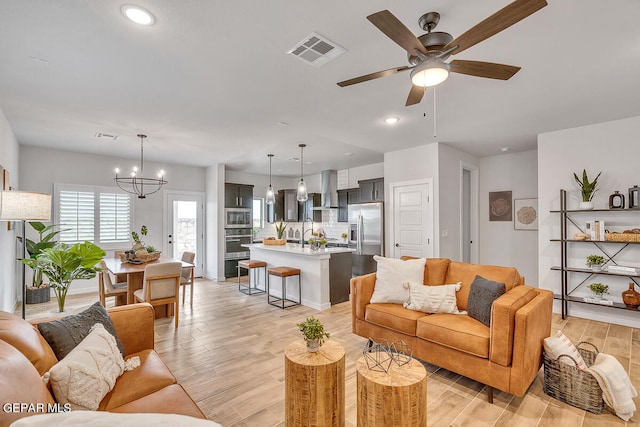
[565,218]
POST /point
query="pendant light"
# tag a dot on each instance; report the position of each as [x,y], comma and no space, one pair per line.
[270,199]
[302,195]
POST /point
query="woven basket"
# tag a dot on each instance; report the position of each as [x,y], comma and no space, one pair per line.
[154,256]
[276,242]
[622,237]
[571,384]
[38,295]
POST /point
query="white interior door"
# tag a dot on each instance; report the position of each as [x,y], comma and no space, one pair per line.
[412,221]
[184,230]
[469,213]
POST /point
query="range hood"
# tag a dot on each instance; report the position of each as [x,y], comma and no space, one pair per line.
[329,190]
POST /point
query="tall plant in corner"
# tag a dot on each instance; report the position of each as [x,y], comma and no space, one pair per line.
[64,263]
[588,189]
[46,240]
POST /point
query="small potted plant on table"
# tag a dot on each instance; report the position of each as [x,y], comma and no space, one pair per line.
[599,290]
[595,262]
[313,333]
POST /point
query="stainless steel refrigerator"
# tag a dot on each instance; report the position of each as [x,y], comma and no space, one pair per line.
[366,236]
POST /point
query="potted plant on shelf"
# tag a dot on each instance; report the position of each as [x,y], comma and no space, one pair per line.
[64,263]
[588,189]
[313,333]
[598,289]
[595,262]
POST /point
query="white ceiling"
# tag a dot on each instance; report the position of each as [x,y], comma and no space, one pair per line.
[211,80]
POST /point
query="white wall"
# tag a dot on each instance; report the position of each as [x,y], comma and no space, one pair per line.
[356,174]
[500,244]
[214,222]
[10,290]
[612,148]
[449,189]
[40,168]
[411,164]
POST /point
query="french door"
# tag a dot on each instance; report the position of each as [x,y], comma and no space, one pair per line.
[184,229]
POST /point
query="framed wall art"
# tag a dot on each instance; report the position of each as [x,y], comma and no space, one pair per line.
[526,214]
[500,206]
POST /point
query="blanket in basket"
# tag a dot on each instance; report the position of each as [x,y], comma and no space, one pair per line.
[617,390]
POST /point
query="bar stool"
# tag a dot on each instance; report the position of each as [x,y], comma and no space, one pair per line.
[251,265]
[283,273]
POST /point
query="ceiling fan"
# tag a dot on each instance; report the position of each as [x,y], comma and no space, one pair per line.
[427,53]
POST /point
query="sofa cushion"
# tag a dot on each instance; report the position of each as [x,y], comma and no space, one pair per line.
[393,316]
[457,331]
[466,273]
[168,400]
[89,371]
[150,376]
[393,278]
[433,299]
[25,337]
[435,270]
[109,419]
[20,383]
[481,296]
[66,333]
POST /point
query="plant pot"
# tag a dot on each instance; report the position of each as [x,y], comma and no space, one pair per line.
[598,296]
[630,297]
[587,206]
[595,267]
[313,345]
[38,295]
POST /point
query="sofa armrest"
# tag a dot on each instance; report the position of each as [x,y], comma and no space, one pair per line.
[361,291]
[134,326]
[503,314]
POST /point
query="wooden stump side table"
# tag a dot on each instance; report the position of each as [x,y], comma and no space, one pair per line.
[314,385]
[394,398]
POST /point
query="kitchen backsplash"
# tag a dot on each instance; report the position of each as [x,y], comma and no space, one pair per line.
[330,225]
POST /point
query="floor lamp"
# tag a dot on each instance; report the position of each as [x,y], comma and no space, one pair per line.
[24,206]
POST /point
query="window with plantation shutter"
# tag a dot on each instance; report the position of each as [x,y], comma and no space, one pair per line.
[98,214]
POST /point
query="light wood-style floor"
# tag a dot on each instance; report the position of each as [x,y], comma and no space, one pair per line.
[228,353]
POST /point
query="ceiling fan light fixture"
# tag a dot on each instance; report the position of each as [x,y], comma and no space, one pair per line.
[430,73]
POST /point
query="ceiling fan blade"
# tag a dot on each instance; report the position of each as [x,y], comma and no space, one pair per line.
[415,95]
[373,76]
[489,70]
[504,18]
[396,31]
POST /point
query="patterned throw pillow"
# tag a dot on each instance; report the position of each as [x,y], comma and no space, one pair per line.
[433,299]
[560,344]
[482,294]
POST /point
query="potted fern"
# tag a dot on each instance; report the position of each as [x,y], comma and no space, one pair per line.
[313,333]
[587,189]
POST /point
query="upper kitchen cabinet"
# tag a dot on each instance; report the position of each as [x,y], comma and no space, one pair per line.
[275,212]
[238,196]
[347,197]
[305,209]
[371,190]
[290,213]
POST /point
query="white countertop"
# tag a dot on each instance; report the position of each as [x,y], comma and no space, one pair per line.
[296,249]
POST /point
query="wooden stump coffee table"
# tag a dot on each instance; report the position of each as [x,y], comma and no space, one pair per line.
[394,398]
[314,385]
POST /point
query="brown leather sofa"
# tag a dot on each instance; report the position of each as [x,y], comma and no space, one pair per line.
[25,356]
[507,355]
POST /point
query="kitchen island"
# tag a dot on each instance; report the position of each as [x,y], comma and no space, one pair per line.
[325,273]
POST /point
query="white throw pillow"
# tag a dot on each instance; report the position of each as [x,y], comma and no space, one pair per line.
[88,372]
[394,277]
[560,344]
[434,299]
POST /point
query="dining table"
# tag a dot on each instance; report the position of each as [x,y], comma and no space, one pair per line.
[135,275]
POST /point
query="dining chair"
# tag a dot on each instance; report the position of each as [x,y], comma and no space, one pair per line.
[107,288]
[116,255]
[186,278]
[160,286]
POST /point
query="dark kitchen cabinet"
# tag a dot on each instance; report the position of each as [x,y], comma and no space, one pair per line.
[238,196]
[371,190]
[290,213]
[275,212]
[305,209]
[347,197]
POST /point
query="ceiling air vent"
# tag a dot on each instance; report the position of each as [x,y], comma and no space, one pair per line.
[316,50]
[106,136]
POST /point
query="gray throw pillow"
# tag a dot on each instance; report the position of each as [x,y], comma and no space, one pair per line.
[481,296]
[65,334]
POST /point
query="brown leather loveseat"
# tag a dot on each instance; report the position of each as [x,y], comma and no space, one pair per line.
[25,356]
[506,355]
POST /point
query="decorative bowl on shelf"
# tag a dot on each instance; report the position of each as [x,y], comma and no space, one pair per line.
[274,242]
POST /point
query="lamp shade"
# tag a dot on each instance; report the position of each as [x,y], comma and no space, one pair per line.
[430,73]
[24,206]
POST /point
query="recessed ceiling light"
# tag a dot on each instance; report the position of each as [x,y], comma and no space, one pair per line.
[391,120]
[137,14]
[504,149]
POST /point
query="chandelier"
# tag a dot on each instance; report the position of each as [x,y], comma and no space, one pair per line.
[139,185]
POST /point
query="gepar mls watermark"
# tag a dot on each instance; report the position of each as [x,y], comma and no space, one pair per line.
[36,408]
